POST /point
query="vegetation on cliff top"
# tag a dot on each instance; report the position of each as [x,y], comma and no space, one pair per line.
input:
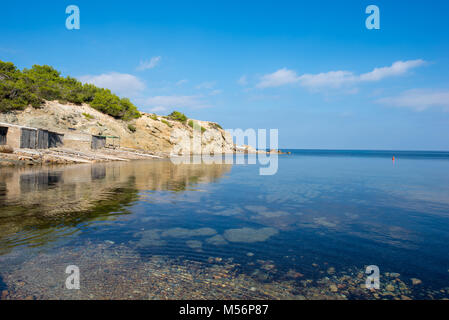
[31,87]
[177,116]
[196,126]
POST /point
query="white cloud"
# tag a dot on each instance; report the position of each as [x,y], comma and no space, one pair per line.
[243,81]
[263,97]
[175,102]
[333,79]
[215,92]
[158,109]
[336,79]
[145,65]
[419,99]
[206,85]
[120,83]
[396,69]
[181,82]
[278,78]
[352,91]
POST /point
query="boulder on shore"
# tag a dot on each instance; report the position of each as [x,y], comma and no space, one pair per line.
[6,149]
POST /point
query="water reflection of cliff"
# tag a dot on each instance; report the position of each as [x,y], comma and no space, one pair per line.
[38,203]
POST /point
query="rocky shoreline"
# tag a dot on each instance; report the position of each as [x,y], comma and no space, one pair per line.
[30,157]
[150,135]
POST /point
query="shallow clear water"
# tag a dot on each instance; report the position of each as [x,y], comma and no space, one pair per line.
[322,210]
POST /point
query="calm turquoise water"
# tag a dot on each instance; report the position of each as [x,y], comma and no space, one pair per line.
[344,210]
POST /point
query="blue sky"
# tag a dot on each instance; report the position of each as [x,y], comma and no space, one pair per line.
[308,68]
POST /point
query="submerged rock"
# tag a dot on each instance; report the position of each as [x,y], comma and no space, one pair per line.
[294,274]
[249,235]
[389,287]
[322,221]
[273,214]
[228,212]
[395,274]
[260,275]
[188,233]
[194,244]
[150,238]
[265,212]
[217,240]
[4,295]
[256,209]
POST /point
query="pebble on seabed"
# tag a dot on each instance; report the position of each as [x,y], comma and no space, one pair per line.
[4,295]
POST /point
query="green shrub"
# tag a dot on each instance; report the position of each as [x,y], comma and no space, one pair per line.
[167,123]
[132,128]
[177,116]
[154,117]
[129,110]
[31,87]
[191,124]
[88,116]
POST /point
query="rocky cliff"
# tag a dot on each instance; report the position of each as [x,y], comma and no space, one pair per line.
[150,132]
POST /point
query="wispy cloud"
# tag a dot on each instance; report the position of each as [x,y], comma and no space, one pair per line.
[419,99]
[279,78]
[396,69]
[336,79]
[263,97]
[181,82]
[206,85]
[243,81]
[159,109]
[331,79]
[120,83]
[215,92]
[149,64]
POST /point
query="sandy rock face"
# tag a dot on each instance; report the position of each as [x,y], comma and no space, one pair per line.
[150,133]
[212,141]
